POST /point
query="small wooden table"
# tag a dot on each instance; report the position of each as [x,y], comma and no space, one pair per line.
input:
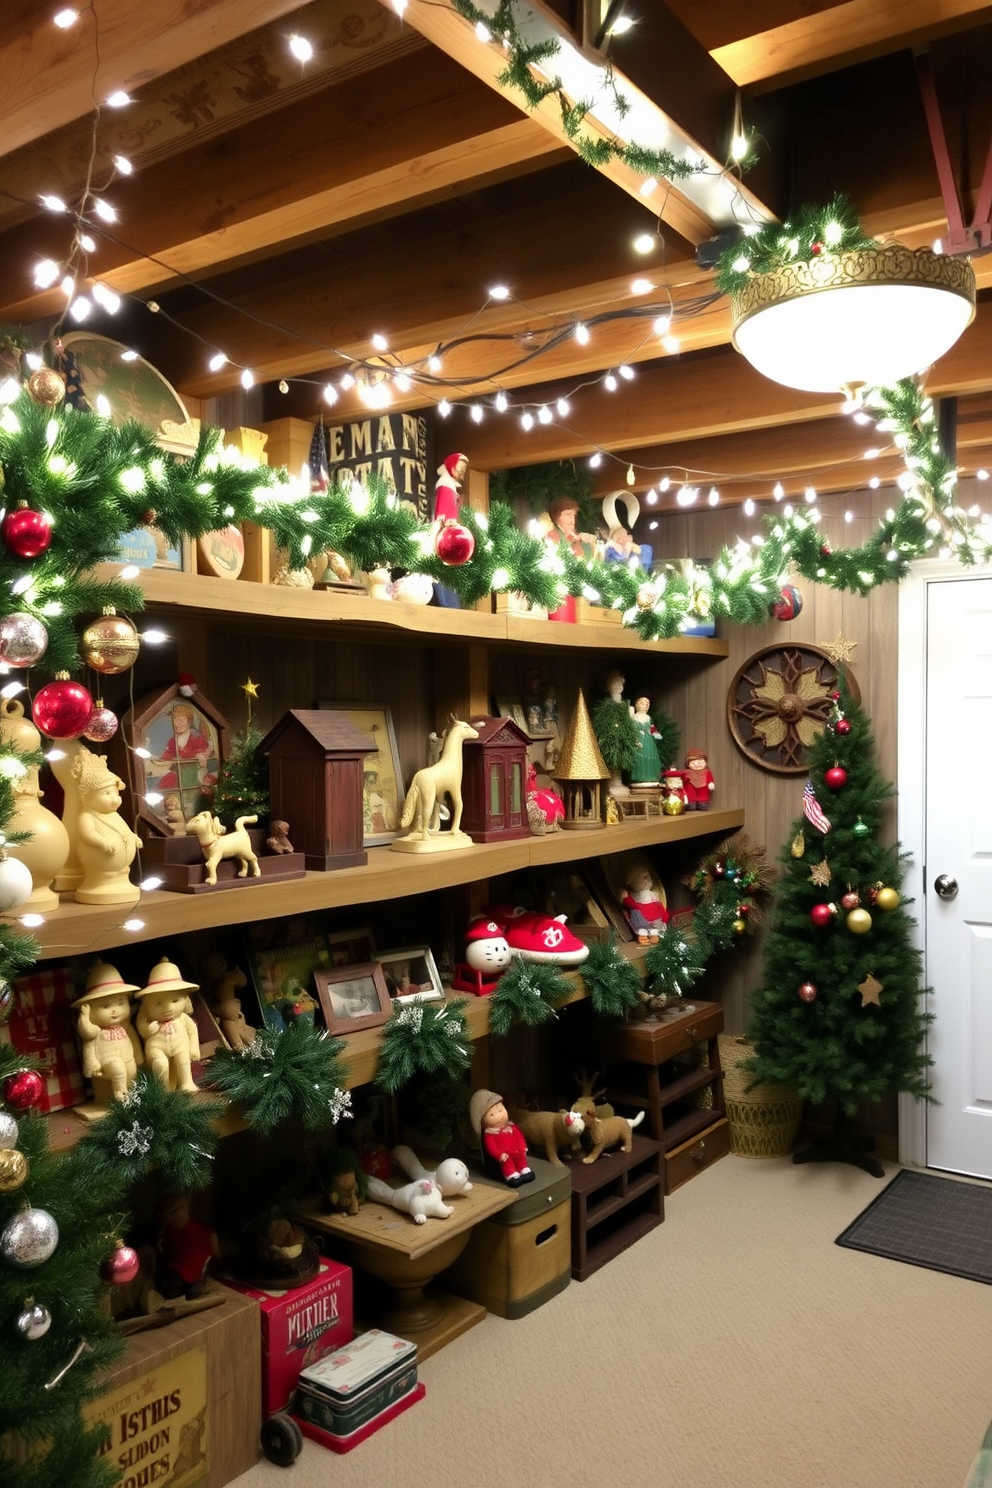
[387,1244]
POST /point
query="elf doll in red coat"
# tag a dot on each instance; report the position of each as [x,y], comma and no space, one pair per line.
[503,1145]
[698,781]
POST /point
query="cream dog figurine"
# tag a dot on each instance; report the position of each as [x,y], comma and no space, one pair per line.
[167,1028]
[217,843]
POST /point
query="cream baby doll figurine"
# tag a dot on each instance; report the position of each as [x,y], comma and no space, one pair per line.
[105,844]
[165,1023]
[111,1050]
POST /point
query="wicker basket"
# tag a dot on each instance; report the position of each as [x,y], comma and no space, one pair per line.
[763,1119]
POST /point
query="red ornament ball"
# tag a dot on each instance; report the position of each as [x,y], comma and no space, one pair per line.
[454,544]
[842,726]
[826,551]
[788,605]
[63,709]
[23,1090]
[821,915]
[835,696]
[808,992]
[25,533]
[102,725]
[835,778]
[122,1267]
[851,899]
[816,249]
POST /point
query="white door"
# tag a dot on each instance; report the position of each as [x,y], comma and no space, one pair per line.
[958,866]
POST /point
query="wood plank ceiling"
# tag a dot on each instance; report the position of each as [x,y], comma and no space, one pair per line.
[285,213]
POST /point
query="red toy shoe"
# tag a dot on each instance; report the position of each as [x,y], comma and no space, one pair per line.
[538,937]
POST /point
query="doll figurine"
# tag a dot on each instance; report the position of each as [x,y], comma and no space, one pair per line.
[646,912]
[165,1023]
[646,769]
[225,984]
[105,844]
[186,1247]
[564,514]
[278,841]
[699,783]
[503,1145]
[110,1045]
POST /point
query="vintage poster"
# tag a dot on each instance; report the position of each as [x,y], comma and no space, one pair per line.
[158,1424]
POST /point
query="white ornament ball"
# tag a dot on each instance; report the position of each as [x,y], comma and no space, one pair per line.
[16,884]
[8,1130]
[29,1238]
[34,1322]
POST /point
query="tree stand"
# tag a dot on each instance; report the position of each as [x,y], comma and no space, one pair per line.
[843,1145]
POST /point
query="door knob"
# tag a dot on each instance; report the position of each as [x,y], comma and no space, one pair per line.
[946,886]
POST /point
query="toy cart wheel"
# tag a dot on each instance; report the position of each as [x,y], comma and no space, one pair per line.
[281,1440]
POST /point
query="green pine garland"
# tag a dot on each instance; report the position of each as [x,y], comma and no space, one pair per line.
[805,236]
[616,734]
[611,980]
[295,1072]
[668,737]
[427,1038]
[171,1130]
[674,964]
[527,992]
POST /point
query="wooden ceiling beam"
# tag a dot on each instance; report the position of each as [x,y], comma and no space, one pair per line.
[51,76]
[834,38]
[358,156]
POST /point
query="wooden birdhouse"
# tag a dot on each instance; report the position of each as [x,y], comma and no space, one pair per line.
[316,769]
[494,781]
[580,772]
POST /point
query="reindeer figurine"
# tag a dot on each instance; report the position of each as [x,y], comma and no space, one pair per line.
[424,799]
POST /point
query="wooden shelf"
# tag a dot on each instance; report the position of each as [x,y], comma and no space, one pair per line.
[82,929]
[242,602]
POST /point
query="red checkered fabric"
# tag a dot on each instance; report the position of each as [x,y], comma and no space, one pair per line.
[43,1024]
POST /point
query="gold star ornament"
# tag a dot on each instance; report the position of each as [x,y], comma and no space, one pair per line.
[820,874]
[250,688]
[871,990]
[841,651]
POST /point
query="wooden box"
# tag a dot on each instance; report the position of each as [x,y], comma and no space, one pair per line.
[316,764]
[685,1161]
[178,862]
[521,1257]
[185,1401]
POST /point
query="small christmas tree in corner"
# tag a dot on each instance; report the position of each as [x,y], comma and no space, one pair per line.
[242,787]
[839,1014]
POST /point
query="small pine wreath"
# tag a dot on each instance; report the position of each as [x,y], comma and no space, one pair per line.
[611,980]
[527,992]
[296,1071]
[429,1038]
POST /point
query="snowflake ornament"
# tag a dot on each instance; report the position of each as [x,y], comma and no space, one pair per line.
[136,1141]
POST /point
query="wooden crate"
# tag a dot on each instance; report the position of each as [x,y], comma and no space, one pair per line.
[521,1257]
[188,1395]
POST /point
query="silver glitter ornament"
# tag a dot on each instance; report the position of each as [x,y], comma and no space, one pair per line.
[34,1322]
[23,640]
[29,1238]
[8,1130]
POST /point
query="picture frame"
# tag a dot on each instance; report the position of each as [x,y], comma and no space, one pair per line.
[351,947]
[411,975]
[512,707]
[569,892]
[383,791]
[608,901]
[354,997]
[187,740]
[283,957]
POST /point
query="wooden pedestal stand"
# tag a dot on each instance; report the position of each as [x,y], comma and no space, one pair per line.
[386,1244]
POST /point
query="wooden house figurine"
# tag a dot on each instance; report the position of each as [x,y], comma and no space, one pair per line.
[580,772]
[316,769]
[494,781]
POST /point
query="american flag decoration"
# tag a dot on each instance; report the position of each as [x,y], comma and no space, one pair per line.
[813,810]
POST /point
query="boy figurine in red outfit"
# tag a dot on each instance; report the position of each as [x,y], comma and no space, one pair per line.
[698,781]
[503,1144]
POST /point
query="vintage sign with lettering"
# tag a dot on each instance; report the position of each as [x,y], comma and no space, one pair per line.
[398,447]
[158,1424]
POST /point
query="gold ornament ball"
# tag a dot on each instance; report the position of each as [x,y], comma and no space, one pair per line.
[887,898]
[673,806]
[739,927]
[110,645]
[859,922]
[46,387]
[13,1169]
[646,597]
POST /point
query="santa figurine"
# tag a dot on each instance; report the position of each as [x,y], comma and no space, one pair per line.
[699,783]
[503,1147]
[450,474]
[487,956]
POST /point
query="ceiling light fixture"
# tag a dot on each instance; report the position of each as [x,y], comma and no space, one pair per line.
[867,318]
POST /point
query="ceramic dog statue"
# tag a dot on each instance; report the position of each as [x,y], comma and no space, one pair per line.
[217,843]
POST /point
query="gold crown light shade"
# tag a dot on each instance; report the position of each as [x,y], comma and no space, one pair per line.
[862,318]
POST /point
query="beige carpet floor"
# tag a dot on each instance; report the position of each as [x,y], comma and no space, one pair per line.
[734,1345]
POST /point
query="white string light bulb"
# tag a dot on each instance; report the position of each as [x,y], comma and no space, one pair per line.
[119,99]
[247,378]
[301,49]
[502,402]
[582,334]
[444,408]
[644,242]
[217,361]
[379,342]
[65,18]
[610,382]
[499,292]
[330,393]
[123,166]
[53,203]
[104,210]
[45,273]
[627,373]
[564,407]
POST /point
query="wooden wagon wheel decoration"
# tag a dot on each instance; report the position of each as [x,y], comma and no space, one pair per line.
[779,702]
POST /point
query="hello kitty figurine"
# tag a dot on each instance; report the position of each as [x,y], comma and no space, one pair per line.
[487,955]
[421,1199]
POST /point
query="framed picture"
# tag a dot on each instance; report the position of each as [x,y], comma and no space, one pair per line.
[354,997]
[283,956]
[147,547]
[383,793]
[351,947]
[186,740]
[411,975]
[508,707]
[569,893]
[608,900]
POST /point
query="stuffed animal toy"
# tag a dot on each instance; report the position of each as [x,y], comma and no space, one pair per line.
[611,1131]
[551,1130]
[421,1199]
[451,1177]
[345,1182]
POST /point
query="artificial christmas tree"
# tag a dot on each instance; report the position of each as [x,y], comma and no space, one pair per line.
[839,1014]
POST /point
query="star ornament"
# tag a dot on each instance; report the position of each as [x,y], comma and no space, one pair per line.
[820,874]
[250,688]
[871,990]
[841,650]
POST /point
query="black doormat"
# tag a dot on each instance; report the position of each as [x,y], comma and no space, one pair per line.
[928,1221]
